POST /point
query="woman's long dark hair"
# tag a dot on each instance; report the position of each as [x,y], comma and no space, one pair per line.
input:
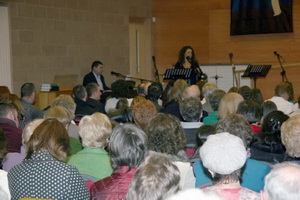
[181,57]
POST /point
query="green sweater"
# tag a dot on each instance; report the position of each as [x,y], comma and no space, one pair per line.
[92,162]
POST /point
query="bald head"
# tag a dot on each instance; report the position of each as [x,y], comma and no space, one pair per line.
[283,182]
[191,91]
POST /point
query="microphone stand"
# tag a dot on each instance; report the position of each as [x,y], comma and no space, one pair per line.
[233,72]
[283,72]
[124,77]
[156,71]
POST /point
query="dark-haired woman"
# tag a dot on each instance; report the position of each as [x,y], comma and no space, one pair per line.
[43,174]
[187,59]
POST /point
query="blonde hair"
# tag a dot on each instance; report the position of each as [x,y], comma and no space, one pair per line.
[137,99]
[290,135]
[65,101]
[60,113]
[181,85]
[28,130]
[229,104]
[95,130]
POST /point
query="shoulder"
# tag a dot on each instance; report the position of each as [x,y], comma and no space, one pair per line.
[178,66]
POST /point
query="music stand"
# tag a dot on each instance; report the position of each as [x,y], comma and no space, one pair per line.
[255,71]
[178,74]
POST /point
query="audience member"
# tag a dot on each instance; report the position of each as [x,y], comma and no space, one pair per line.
[95,76]
[122,113]
[214,100]
[254,171]
[283,182]
[127,149]
[267,107]
[44,169]
[28,93]
[166,135]
[190,110]
[9,123]
[257,96]
[297,110]
[267,145]
[64,116]
[155,91]
[4,94]
[229,104]
[4,190]
[181,85]
[15,158]
[207,91]
[251,110]
[80,97]
[68,103]
[137,99]
[246,92]
[281,97]
[233,89]
[157,178]
[164,97]
[119,89]
[194,194]
[224,155]
[172,105]
[143,112]
[290,136]
[93,162]
[191,91]
[94,94]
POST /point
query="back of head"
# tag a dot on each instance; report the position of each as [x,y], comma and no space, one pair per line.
[245,91]
[203,132]
[79,92]
[191,109]
[223,153]
[119,89]
[50,136]
[282,90]
[174,94]
[236,125]
[27,89]
[156,179]
[273,121]
[251,110]
[65,101]
[137,99]
[155,91]
[229,104]
[191,91]
[181,85]
[283,182]
[207,89]
[143,112]
[165,134]
[290,136]
[4,94]
[215,99]
[5,108]
[29,129]
[95,130]
[128,146]
[267,107]
[60,113]
[257,96]
[122,103]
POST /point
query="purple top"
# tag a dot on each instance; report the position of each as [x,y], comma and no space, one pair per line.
[12,159]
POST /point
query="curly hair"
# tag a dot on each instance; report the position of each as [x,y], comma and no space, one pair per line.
[119,89]
[165,134]
[143,112]
[290,135]
[236,125]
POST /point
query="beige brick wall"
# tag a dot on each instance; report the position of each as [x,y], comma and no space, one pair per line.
[63,37]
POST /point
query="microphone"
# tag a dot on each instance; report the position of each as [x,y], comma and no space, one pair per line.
[189,59]
[277,54]
[153,58]
[115,73]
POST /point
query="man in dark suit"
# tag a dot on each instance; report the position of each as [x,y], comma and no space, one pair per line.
[80,96]
[95,76]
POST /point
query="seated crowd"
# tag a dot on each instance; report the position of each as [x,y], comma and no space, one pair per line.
[153,143]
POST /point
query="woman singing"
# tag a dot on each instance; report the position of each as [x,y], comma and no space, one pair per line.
[187,59]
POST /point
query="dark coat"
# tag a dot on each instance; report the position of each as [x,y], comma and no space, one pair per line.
[90,78]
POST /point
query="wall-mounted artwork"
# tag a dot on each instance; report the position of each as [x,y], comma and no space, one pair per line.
[261,16]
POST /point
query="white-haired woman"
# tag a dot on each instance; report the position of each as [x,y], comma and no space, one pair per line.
[93,161]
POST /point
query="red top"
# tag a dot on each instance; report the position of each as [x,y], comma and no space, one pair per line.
[113,187]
